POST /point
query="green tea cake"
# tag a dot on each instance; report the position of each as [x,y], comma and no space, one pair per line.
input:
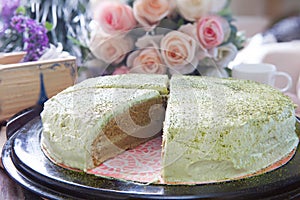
[220,129]
[87,124]
[213,129]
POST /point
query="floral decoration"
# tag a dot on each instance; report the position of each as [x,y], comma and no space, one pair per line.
[21,33]
[164,37]
[64,24]
[127,36]
[7,9]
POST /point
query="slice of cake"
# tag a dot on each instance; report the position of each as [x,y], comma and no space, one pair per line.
[219,129]
[87,124]
[138,81]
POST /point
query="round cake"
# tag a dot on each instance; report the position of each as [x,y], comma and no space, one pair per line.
[213,129]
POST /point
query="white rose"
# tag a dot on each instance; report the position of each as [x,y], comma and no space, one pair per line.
[110,49]
[193,9]
[226,54]
[179,52]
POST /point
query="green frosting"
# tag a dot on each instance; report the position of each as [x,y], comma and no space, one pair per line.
[138,81]
[218,129]
[215,129]
[74,118]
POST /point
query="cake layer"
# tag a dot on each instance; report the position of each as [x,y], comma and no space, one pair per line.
[219,129]
[82,128]
[138,81]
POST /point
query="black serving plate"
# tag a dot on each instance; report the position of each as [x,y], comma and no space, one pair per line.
[25,162]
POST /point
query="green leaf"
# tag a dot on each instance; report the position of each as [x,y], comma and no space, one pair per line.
[21,10]
[180,22]
[48,26]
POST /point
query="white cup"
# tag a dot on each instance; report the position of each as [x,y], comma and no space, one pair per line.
[262,73]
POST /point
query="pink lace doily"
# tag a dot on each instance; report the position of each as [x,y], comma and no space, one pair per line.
[143,164]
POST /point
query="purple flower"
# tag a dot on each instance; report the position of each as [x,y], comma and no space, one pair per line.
[18,24]
[8,9]
[34,36]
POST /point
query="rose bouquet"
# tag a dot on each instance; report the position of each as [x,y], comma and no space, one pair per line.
[163,37]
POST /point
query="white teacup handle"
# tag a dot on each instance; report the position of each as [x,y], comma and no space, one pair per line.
[288,78]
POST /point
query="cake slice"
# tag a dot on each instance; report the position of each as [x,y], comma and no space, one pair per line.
[91,122]
[220,129]
[138,81]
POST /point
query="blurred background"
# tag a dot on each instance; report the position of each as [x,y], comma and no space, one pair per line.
[70,26]
[280,19]
[257,15]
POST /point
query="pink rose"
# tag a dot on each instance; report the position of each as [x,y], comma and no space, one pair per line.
[148,58]
[114,17]
[110,49]
[210,31]
[146,61]
[191,30]
[179,52]
[121,70]
[148,12]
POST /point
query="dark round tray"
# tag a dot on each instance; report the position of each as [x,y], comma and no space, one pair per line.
[25,162]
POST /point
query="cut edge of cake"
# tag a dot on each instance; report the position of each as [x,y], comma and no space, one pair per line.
[78,150]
